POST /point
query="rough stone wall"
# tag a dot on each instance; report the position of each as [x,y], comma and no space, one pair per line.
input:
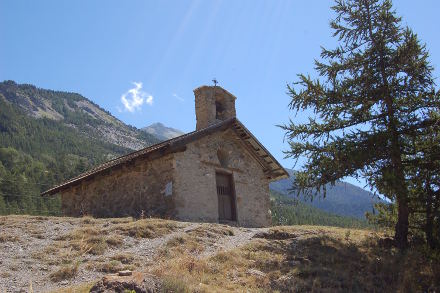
[127,191]
[195,182]
[206,97]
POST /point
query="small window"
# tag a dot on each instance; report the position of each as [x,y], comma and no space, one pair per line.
[168,189]
[223,158]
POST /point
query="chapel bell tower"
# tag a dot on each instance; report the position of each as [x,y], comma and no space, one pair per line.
[213,105]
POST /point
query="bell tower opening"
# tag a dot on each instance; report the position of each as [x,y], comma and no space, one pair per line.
[219,110]
[213,105]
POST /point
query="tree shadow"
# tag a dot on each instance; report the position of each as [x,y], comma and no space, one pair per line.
[320,263]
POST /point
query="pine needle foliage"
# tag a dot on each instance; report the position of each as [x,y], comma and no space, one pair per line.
[373,91]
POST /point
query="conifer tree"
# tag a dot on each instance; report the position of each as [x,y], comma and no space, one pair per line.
[423,172]
[373,90]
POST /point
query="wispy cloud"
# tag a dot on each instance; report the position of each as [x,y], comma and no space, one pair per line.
[135,97]
[178,97]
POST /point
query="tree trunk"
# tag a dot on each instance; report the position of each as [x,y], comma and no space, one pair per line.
[401,231]
[399,184]
[429,226]
[401,190]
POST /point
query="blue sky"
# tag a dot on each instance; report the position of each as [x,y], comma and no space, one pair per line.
[159,51]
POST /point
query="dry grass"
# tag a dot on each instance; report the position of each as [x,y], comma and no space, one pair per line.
[294,259]
[303,259]
[8,238]
[88,220]
[81,288]
[181,245]
[147,228]
[124,258]
[195,241]
[114,240]
[211,231]
[174,285]
[121,220]
[109,266]
[4,274]
[87,240]
[64,273]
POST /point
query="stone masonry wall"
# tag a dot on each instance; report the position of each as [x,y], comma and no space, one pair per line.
[195,182]
[141,186]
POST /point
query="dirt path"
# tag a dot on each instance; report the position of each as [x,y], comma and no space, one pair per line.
[241,237]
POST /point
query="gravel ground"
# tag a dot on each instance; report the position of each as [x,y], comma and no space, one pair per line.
[26,256]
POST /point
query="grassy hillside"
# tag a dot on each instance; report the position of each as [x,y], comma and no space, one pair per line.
[72,254]
[47,137]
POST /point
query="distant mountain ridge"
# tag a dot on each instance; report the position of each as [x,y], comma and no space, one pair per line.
[161,131]
[75,111]
[342,199]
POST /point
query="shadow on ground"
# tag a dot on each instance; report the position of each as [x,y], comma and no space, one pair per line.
[323,263]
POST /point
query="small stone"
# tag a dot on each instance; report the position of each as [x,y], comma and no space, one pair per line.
[65,282]
[256,272]
[125,273]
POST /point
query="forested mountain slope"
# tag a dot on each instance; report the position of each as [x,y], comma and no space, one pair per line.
[343,199]
[288,211]
[49,136]
[75,111]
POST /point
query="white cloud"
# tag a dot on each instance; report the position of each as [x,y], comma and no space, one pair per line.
[178,97]
[134,98]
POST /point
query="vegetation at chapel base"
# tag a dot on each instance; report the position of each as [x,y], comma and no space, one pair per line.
[375,115]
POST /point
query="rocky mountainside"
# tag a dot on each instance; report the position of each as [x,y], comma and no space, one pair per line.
[343,199]
[74,111]
[161,131]
[49,136]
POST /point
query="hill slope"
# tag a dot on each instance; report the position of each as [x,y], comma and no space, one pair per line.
[342,199]
[47,137]
[288,211]
[53,253]
[75,111]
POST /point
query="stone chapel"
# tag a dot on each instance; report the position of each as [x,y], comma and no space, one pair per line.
[218,173]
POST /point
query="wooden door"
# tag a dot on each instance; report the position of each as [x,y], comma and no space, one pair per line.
[225,194]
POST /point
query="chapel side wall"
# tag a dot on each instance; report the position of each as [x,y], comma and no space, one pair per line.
[127,191]
[195,185]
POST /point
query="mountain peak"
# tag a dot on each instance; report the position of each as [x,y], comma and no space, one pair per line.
[161,131]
